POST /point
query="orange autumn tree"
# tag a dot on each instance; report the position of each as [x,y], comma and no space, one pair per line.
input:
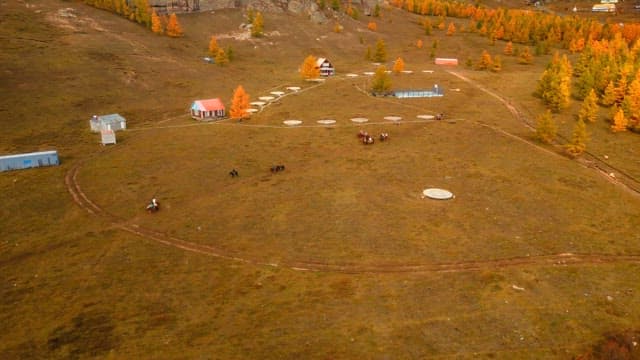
[156,23]
[619,120]
[508,49]
[213,46]
[485,62]
[239,104]
[372,26]
[309,68]
[173,27]
[419,44]
[451,29]
[398,65]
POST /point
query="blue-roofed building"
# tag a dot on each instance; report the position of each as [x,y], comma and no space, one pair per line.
[29,160]
[113,122]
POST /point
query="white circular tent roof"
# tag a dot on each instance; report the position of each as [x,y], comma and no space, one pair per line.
[438,194]
[425,117]
[326,121]
[359,120]
[292,122]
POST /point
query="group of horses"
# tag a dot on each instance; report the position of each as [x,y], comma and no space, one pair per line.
[368,139]
[277,168]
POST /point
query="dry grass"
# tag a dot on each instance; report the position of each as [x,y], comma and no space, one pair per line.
[75,286]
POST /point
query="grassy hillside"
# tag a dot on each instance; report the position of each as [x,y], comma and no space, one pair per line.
[337,257]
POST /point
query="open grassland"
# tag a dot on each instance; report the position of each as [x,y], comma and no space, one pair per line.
[82,285]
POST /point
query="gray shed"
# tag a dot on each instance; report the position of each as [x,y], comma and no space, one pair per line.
[114,122]
[28,160]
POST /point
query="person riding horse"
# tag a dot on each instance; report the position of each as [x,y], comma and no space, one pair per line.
[153,206]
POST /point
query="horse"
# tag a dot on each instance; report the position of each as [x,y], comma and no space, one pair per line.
[384,136]
[277,168]
[367,140]
[233,173]
[440,116]
[362,134]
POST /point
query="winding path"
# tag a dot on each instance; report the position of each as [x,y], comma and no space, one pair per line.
[549,260]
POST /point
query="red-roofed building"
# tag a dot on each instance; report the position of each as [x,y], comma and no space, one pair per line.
[208,109]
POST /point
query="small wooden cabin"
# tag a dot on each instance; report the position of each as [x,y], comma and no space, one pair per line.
[208,109]
[325,66]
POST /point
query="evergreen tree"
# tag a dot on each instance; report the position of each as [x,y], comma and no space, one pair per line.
[619,120]
[173,27]
[546,128]
[381,52]
[381,82]
[257,26]
[309,68]
[239,104]
[579,138]
[589,110]
[398,65]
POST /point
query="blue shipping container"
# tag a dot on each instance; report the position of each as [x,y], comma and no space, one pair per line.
[28,160]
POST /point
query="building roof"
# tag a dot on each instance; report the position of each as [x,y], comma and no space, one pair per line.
[39,153]
[111,118]
[208,105]
[321,61]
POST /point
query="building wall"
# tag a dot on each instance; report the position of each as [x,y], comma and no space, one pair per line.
[30,160]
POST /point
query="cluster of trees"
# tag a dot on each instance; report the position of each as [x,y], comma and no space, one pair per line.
[523,26]
[162,25]
[222,56]
[140,12]
[612,69]
[554,87]
[257,23]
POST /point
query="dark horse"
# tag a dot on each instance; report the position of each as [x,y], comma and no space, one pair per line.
[384,136]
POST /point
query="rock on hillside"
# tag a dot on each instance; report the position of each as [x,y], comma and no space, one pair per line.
[300,7]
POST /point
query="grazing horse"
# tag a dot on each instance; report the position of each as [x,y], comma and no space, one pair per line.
[277,168]
[233,173]
[367,140]
[440,116]
[153,206]
[384,136]
[362,134]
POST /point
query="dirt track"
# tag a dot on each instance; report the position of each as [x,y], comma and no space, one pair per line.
[550,260]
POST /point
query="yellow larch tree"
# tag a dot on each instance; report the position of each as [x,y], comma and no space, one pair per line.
[173,27]
[309,68]
[451,29]
[508,49]
[619,120]
[156,23]
[589,110]
[485,62]
[213,46]
[579,138]
[398,65]
[546,128]
[372,26]
[239,104]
